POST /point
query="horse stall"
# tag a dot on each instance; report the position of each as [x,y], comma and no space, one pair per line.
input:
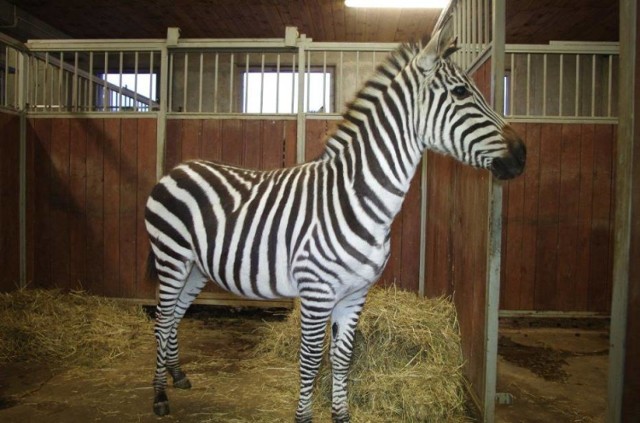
[516,270]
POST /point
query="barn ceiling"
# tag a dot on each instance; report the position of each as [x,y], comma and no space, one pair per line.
[528,21]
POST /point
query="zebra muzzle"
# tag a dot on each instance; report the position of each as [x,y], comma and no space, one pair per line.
[512,163]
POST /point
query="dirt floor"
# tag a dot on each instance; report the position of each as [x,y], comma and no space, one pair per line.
[552,374]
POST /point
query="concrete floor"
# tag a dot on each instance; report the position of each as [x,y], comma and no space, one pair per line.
[553,374]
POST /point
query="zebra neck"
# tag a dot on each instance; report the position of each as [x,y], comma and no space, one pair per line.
[378,166]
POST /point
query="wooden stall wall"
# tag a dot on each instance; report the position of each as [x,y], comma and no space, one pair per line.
[456,253]
[9,201]
[88,181]
[558,220]
[403,268]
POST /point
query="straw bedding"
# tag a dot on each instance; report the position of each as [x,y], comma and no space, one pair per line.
[68,328]
[406,366]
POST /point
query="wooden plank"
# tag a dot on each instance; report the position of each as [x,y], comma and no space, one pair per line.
[531,180]
[567,216]
[111,192]
[9,206]
[290,142]
[173,146]
[43,229]
[410,256]
[78,202]
[581,291]
[60,203]
[95,206]
[547,239]
[211,140]
[191,139]
[512,257]
[146,165]
[30,201]
[601,234]
[252,136]
[127,216]
[315,138]
[273,141]
[439,277]
[232,142]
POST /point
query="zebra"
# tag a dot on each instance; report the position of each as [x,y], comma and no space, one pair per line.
[319,231]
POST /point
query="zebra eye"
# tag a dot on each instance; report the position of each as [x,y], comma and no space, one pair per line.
[461,92]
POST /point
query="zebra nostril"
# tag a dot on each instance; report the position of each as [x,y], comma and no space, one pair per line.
[519,151]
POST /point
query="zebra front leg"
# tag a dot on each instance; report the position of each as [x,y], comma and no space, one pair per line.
[344,320]
[313,322]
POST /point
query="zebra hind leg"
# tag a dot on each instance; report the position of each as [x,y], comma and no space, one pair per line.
[173,280]
[344,320]
[194,284]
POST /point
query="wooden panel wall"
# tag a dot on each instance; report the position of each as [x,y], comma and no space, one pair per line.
[456,252]
[9,201]
[403,268]
[259,144]
[88,182]
[558,220]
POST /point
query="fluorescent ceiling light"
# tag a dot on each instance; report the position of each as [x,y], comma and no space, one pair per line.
[396,4]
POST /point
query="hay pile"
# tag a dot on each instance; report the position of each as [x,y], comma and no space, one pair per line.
[406,365]
[73,328]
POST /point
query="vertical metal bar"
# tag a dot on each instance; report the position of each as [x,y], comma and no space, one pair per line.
[341,71]
[593,85]
[231,63]
[609,85]
[215,84]
[171,81]
[324,83]
[577,109]
[494,244]
[90,84]
[246,83]
[544,84]
[561,87]
[357,69]
[74,85]
[163,103]
[60,77]
[135,81]
[105,94]
[46,84]
[528,83]
[624,224]
[120,71]
[5,100]
[308,83]
[185,82]
[301,122]
[512,85]
[201,71]
[152,88]
[474,23]
[261,81]
[293,83]
[422,269]
[35,84]
[278,83]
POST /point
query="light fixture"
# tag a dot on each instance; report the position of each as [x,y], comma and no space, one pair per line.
[396,4]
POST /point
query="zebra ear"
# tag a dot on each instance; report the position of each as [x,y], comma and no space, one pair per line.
[442,45]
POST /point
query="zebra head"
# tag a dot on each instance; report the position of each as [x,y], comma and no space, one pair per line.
[454,118]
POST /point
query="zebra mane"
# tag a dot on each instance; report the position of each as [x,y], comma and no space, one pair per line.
[382,78]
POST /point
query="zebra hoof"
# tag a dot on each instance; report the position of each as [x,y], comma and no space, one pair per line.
[341,419]
[183,383]
[161,404]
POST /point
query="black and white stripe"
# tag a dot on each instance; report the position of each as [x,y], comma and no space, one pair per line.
[319,231]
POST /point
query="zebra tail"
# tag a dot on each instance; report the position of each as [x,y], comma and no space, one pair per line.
[152,272]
